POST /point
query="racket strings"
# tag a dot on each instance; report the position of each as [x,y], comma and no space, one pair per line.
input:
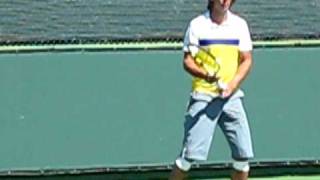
[206,60]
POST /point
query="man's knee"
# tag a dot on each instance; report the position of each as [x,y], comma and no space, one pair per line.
[242,166]
[183,164]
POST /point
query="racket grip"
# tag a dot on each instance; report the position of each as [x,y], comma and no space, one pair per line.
[222,85]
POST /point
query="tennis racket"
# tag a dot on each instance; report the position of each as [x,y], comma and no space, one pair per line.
[210,63]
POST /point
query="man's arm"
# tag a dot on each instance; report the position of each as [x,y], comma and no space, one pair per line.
[243,71]
[192,68]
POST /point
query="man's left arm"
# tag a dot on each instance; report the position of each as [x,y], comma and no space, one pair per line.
[245,59]
[243,70]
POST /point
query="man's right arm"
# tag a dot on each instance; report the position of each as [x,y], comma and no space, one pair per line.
[192,68]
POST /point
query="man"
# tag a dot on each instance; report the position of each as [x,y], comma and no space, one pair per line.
[227,36]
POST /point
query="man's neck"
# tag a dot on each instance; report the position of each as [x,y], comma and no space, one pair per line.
[218,17]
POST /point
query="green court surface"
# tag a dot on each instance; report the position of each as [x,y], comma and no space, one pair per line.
[278,178]
[289,178]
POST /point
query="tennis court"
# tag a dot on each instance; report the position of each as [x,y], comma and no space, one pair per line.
[93,91]
[284,178]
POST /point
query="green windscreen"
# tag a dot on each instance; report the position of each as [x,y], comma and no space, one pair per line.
[126,108]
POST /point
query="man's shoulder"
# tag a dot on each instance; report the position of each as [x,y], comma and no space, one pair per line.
[199,19]
[236,18]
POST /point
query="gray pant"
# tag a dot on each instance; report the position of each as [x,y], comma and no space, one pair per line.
[203,114]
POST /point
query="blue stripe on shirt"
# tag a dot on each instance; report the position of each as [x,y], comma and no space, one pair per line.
[206,42]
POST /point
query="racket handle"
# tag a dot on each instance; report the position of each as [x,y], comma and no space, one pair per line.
[222,85]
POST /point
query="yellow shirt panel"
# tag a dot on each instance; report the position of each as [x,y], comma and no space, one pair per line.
[227,56]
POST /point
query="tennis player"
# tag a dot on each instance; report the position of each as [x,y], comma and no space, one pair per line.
[227,37]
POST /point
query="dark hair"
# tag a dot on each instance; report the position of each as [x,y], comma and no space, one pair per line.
[232,2]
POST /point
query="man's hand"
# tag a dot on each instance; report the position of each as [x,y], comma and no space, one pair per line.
[231,88]
[210,78]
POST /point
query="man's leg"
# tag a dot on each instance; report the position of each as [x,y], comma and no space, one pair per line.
[201,119]
[235,127]
[238,175]
[177,174]
[240,170]
[180,169]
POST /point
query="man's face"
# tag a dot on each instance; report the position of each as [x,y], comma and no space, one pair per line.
[220,5]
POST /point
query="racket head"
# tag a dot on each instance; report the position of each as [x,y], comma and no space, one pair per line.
[205,59]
